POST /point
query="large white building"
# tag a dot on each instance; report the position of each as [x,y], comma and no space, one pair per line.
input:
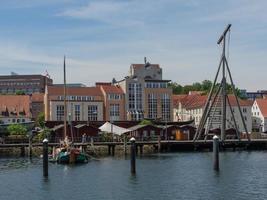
[187,107]
[259,115]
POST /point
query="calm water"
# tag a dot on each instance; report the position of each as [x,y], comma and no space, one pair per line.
[243,175]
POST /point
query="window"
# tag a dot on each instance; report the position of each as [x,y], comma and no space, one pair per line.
[114,96]
[244,110]
[135,100]
[114,112]
[165,107]
[92,113]
[152,106]
[77,112]
[60,113]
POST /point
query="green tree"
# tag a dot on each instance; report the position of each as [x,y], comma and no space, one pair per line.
[20,92]
[145,122]
[206,85]
[40,121]
[17,129]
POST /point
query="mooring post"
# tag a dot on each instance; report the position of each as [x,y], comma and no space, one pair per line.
[30,147]
[109,150]
[216,152]
[133,151]
[141,149]
[124,145]
[45,157]
[113,150]
[22,151]
[159,144]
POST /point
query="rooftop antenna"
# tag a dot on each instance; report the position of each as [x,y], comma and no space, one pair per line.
[220,97]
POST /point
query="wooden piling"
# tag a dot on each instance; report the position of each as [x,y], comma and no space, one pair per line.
[109,150]
[30,148]
[45,158]
[133,151]
[113,150]
[159,144]
[216,153]
[141,149]
[125,145]
[22,151]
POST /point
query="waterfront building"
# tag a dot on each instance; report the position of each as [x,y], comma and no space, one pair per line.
[114,102]
[146,93]
[29,84]
[83,103]
[191,107]
[15,109]
[259,115]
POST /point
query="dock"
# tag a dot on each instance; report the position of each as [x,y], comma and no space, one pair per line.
[163,145]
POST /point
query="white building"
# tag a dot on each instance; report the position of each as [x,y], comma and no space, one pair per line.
[191,107]
[259,115]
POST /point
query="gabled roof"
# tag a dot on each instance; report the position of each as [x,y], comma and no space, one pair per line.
[87,91]
[195,101]
[16,104]
[262,104]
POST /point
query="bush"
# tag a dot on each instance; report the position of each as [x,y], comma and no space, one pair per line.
[17,129]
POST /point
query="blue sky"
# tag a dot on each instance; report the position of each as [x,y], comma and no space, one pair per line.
[102,38]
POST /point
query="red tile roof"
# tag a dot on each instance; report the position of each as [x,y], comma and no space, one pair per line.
[198,101]
[15,104]
[262,104]
[176,99]
[112,89]
[87,91]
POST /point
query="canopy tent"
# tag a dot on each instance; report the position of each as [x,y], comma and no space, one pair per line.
[111,128]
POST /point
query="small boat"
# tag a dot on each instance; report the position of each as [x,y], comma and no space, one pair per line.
[71,156]
[66,154]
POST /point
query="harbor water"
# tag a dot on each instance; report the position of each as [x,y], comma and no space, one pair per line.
[242,175]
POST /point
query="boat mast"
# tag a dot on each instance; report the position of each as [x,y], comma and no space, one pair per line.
[65,103]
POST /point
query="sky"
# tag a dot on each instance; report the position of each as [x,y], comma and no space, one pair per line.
[101,39]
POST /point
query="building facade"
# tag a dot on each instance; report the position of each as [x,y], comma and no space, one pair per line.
[191,107]
[15,109]
[259,115]
[83,104]
[29,84]
[146,93]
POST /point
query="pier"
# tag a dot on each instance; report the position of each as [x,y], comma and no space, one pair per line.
[160,146]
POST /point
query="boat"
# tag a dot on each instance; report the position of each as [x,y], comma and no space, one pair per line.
[67,153]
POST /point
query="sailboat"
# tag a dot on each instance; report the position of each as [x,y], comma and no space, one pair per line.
[67,153]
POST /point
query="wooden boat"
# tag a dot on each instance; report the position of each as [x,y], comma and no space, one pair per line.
[66,153]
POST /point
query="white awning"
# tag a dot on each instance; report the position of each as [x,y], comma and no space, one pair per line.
[111,128]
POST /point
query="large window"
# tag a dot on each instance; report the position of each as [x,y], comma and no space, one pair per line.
[77,112]
[60,113]
[135,100]
[165,107]
[152,106]
[92,113]
[114,112]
